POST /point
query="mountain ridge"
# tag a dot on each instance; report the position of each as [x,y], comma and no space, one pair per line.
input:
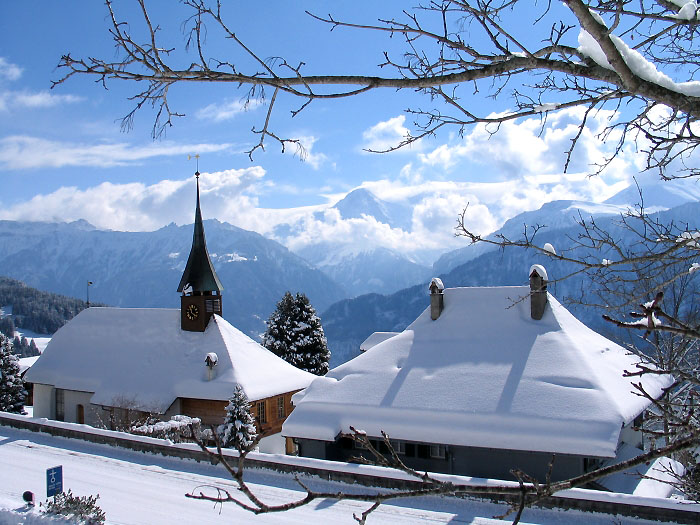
[143,269]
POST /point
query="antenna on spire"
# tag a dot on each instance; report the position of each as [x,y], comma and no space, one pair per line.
[196,156]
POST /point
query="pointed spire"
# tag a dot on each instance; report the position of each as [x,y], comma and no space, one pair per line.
[199,273]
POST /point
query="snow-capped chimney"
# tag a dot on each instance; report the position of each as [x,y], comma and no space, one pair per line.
[436,298]
[211,361]
[538,291]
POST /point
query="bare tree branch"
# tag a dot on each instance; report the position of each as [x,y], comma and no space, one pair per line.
[448,45]
[529,491]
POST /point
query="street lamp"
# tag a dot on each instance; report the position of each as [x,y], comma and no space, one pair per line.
[87,290]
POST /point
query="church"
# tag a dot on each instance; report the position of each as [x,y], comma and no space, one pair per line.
[111,366]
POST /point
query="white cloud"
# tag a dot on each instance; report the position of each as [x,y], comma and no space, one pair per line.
[9,71]
[314,159]
[40,99]
[515,149]
[226,110]
[435,204]
[23,152]
[10,99]
[227,195]
[388,134]
[232,196]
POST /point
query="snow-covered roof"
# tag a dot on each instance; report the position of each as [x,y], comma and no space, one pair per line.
[651,480]
[483,374]
[141,355]
[375,339]
[25,363]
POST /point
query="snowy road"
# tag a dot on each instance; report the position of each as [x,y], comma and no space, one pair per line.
[137,488]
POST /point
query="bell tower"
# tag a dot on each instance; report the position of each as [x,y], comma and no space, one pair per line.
[200,286]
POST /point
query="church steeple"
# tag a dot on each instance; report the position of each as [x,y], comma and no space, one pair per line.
[200,286]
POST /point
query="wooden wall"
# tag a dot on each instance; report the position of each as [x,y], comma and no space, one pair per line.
[212,412]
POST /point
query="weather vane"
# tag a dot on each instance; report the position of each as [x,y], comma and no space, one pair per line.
[196,156]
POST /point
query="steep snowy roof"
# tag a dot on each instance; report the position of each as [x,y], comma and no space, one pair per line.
[141,355]
[483,374]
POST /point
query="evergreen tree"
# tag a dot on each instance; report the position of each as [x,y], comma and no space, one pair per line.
[238,430]
[12,392]
[7,326]
[295,334]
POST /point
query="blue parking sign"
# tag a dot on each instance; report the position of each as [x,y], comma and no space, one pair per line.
[54,481]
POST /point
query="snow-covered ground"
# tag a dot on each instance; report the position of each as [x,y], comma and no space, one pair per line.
[41,340]
[138,488]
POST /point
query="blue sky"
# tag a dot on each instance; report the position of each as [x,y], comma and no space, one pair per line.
[63,156]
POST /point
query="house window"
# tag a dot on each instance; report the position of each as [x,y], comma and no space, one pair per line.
[60,404]
[437,451]
[262,416]
[280,407]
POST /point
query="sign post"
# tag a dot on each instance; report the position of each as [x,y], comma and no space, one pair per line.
[54,481]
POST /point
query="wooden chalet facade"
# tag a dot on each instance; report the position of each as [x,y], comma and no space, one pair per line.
[269,412]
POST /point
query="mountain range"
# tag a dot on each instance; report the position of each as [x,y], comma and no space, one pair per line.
[143,269]
[357,289]
[348,322]
[368,266]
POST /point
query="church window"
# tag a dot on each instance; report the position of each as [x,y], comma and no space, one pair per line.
[60,404]
[280,407]
[262,416]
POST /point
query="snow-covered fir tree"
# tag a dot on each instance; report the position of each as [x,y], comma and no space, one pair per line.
[238,430]
[12,392]
[295,334]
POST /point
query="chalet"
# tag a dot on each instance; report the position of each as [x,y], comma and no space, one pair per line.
[483,381]
[113,365]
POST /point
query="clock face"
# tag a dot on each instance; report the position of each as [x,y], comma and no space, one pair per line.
[192,312]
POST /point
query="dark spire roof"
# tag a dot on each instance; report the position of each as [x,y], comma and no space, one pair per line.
[199,272]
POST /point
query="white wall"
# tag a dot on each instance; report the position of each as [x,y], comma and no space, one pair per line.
[72,399]
[273,444]
[43,401]
[45,404]
[631,436]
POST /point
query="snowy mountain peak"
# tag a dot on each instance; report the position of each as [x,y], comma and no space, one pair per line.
[658,195]
[361,202]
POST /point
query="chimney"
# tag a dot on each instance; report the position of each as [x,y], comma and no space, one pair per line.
[436,298]
[211,361]
[538,291]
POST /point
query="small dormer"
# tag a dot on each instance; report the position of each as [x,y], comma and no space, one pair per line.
[200,286]
[436,297]
[538,291]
